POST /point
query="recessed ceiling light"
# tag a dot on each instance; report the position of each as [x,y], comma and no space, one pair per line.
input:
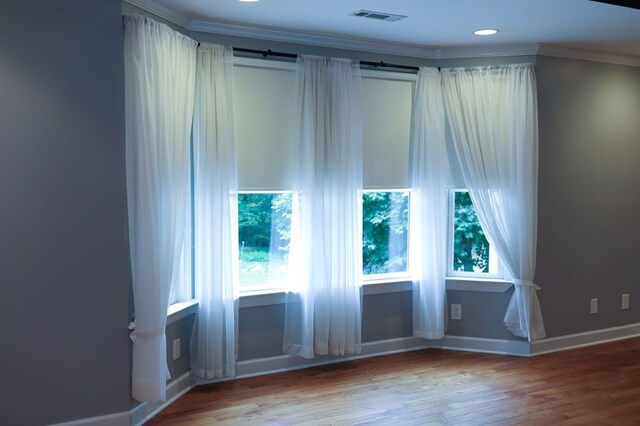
[485,32]
[248,1]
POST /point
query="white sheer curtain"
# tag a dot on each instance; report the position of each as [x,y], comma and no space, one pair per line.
[493,117]
[159,91]
[428,213]
[214,345]
[323,312]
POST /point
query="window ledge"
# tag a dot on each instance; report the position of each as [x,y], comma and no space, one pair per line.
[382,286]
[181,310]
[262,298]
[478,284]
[386,286]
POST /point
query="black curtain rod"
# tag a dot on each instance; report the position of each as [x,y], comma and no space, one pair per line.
[266,53]
[269,52]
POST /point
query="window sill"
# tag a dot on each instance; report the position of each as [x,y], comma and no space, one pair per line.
[263,298]
[181,310]
[279,297]
[386,286]
[492,285]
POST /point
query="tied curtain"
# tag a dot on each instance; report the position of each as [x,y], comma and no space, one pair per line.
[428,208]
[159,91]
[493,117]
[323,309]
[174,87]
[214,342]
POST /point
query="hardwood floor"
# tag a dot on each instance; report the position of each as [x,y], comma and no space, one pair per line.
[597,385]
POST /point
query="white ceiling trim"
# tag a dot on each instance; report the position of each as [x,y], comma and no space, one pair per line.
[161,12]
[588,55]
[376,46]
[313,39]
[487,51]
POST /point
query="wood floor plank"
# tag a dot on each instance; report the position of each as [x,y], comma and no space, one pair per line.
[590,386]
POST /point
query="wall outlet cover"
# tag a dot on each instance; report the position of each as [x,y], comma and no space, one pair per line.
[176,349]
[456,311]
[625,301]
[594,306]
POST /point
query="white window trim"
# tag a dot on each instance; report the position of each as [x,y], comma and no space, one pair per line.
[487,285]
[279,297]
[180,310]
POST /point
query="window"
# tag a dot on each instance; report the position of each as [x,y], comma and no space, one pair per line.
[470,253]
[266,141]
[264,225]
[385,227]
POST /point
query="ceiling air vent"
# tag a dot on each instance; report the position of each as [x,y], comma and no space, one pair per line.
[380,16]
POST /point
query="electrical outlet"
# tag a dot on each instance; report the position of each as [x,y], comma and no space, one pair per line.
[594,306]
[625,301]
[456,311]
[176,349]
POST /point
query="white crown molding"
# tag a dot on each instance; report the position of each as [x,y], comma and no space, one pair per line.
[313,39]
[587,55]
[461,52]
[359,44]
[160,11]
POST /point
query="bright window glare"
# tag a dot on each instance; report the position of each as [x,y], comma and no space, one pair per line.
[264,225]
[385,227]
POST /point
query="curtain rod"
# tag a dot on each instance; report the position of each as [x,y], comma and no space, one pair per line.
[269,52]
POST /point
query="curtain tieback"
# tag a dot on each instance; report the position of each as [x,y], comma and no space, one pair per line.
[145,334]
[526,283]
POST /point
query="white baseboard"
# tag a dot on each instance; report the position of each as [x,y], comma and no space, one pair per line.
[579,340]
[146,410]
[483,345]
[114,419]
[277,364]
[281,363]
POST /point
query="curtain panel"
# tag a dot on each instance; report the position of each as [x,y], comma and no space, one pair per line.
[214,343]
[323,310]
[428,210]
[159,95]
[492,112]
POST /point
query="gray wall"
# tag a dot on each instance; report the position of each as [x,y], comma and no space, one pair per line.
[65,301]
[589,205]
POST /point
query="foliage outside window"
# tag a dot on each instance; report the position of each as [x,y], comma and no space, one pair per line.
[264,226]
[385,226]
[472,253]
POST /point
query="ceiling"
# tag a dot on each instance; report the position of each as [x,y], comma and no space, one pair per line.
[433,28]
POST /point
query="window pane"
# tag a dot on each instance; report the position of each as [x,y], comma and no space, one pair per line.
[264,225]
[385,223]
[471,248]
